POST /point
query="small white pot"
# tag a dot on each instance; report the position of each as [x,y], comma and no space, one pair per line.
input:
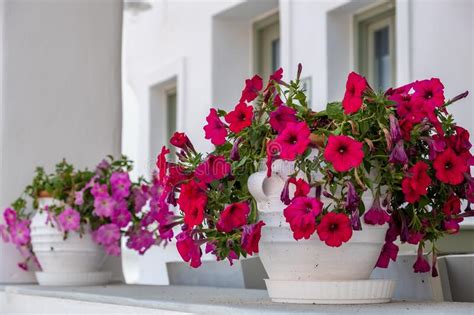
[309,271]
[75,260]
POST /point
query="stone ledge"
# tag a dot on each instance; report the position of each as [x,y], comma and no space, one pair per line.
[212,300]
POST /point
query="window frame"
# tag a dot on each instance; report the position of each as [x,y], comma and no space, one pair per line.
[257,27]
[365,26]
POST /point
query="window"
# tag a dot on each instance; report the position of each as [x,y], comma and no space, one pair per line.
[375,34]
[267,45]
[170,118]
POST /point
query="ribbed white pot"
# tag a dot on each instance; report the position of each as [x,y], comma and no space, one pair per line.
[309,271]
[74,260]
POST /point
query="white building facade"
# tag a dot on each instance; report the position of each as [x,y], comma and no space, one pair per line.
[182,57]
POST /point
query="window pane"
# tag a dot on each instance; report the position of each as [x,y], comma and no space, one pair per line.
[170,118]
[382,60]
[275,54]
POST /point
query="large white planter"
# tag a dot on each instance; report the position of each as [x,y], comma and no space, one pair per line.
[75,260]
[309,271]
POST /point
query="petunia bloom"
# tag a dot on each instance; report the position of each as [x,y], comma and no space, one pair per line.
[280,117]
[398,154]
[251,89]
[20,233]
[189,250]
[10,216]
[452,206]
[352,206]
[213,168]
[162,164]
[335,229]
[192,201]
[450,168]
[233,217]
[140,240]
[355,88]
[121,216]
[120,184]
[301,215]
[302,189]
[389,251]
[343,152]
[376,214]
[215,129]
[421,264]
[69,220]
[104,206]
[240,118]
[251,237]
[293,140]
[107,234]
[429,93]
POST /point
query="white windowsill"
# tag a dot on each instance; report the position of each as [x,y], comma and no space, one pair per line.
[171,299]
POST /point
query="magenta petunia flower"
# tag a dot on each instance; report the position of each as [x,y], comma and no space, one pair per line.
[389,251]
[234,216]
[104,206]
[79,198]
[120,184]
[4,233]
[450,168]
[113,249]
[355,88]
[251,237]
[251,89]
[140,240]
[69,220]
[301,215]
[240,118]
[343,152]
[215,129]
[280,117]
[140,197]
[429,93]
[192,201]
[99,190]
[121,217]
[189,250]
[20,233]
[376,214]
[421,264]
[398,154]
[107,234]
[335,229]
[293,140]
[10,216]
[213,168]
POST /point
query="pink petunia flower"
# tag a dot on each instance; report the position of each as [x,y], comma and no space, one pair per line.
[376,214]
[389,252]
[69,220]
[113,249]
[10,216]
[120,184]
[450,168]
[107,234]
[121,217]
[104,206]
[20,233]
[99,190]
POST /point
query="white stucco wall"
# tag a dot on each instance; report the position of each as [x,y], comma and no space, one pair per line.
[213,40]
[61,92]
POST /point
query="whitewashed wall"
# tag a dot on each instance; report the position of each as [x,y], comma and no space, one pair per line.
[209,45]
[61,94]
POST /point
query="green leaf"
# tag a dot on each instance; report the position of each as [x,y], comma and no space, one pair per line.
[334,111]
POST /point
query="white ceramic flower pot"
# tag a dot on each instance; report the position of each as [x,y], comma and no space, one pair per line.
[309,271]
[75,260]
